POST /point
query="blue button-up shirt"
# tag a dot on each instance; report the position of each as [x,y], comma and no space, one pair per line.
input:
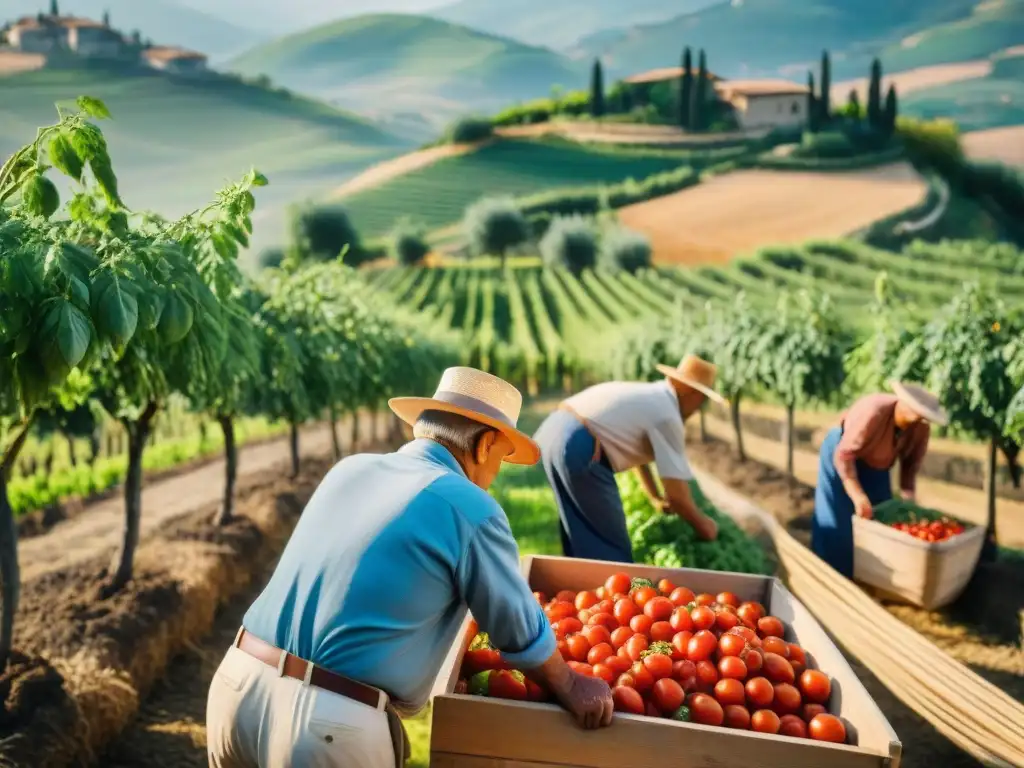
[375,579]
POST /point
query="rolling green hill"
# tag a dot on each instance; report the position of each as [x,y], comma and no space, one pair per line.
[389,63]
[174,141]
[763,37]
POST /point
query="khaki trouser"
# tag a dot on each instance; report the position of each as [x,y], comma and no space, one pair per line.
[256,718]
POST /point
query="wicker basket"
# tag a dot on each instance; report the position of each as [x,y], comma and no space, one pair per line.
[901,567]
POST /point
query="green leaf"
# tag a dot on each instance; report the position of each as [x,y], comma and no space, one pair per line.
[79,292]
[69,329]
[114,308]
[176,319]
[64,157]
[93,107]
[39,196]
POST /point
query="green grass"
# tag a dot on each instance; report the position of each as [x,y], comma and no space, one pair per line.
[174,141]
[438,194]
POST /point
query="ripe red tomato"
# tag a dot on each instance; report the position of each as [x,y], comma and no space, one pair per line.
[680,620]
[600,592]
[810,711]
[604,672]
[787,699]
[769,626]
[702,617]
[620,636]
[624,610]
[731,645]
[605,606]
[618,582]
[659,608]
[760,692]
[683,668]
[661,631]
[737,716]
[680,643]
[642,679]
[659,665]
[585,600]
[625,680]
[565,596]
[581,669]
[749,613]
[730,691]
[596,634]
[765,721]
[636,645]
[650,710]
[578,647]
[791,725]
[605,620]
[701,646]
[707,674]
[724,620]
[643,595]
[626,699]
[778,669]
[535,692]
[599,653]
[827,728]
[563,648]
[558,610]
[732,666]
[667,695]
[753,658]
[815,686]
[797,658]
[584,615]
[705,710]
[504,685]
[540,597]
[747,634]
[618,664]
[704,599]
[641,624]
[666,587]
[728,598]
[568,626]
[681,596]
[776,645]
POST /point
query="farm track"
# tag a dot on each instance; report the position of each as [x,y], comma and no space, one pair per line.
[739,212]
[390,169]
[99,526]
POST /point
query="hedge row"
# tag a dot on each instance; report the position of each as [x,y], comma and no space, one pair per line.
[857,162]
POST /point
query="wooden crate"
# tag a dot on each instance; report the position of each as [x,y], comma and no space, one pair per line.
[476,732]
[901,567]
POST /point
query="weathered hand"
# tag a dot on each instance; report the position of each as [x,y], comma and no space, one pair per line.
[706,528]
[862,507]
[589,699]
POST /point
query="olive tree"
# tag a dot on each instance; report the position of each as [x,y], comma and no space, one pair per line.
[408,245]
[571,242]
[625,249]
[494,226]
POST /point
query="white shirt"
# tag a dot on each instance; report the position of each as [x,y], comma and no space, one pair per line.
[636,423]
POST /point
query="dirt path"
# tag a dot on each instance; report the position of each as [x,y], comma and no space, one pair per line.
[957,500]
[742,211]
[99,526]
[389,169]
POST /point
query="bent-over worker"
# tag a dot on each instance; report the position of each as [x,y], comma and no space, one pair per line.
[613,427]
[856,459]
[370,592]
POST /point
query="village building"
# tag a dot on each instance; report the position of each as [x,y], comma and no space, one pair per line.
[177,61]
[765,103]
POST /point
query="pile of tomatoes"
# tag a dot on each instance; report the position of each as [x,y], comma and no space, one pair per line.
[710,659]
[931,530]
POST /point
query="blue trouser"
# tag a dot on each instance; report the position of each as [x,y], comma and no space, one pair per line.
[832,527]
[590,510]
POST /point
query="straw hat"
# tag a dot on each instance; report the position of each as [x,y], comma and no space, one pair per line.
[920,401]
[478,396]
[696,373]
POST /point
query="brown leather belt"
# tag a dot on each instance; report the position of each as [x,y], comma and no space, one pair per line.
[597,443]
[292,666]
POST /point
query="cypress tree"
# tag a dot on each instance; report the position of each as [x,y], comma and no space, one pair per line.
[54,9]
[812,105]
[686,90]
[597,90]
[875,96]
[700,95]
[825,100]
[891,110]
[853,101]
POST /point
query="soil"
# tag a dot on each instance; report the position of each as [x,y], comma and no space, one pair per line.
[982,629]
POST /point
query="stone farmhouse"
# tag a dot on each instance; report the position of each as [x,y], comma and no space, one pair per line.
[59,40]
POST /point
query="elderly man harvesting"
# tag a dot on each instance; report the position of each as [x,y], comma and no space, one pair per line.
[856,459]
[613,427]
[370,593]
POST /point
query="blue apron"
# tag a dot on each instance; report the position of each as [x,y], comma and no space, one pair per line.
[832,526]
[593,523]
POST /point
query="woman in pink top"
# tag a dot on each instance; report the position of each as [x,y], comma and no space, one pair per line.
[857,458]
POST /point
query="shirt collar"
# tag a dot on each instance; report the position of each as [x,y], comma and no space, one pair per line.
[434,452]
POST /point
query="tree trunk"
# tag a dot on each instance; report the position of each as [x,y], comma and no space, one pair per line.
[48,461]
[703,424]
[354,447]
[124,560]
[293,443]
[203,437]
[990,549]
[110,444]
[734,411]
[381,434]
[227,510]
[9,576]
[71,450]
[788,437]
[335,440]
[94,448]
[397,431]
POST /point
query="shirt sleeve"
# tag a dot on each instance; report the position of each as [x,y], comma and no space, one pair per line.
[668,445]
[911,461]
[500,599]
[859,426]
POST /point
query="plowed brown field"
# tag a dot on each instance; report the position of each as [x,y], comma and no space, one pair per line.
[740,212]
[1005,145]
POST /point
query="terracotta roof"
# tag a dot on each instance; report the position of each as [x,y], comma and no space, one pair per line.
[169,53]
[53,22]
[72,21]
[761,88]
[661,75]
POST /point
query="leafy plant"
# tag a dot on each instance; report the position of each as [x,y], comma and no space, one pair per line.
[570,242]
[408,246]
[494,226]
[469,130]
[625,249]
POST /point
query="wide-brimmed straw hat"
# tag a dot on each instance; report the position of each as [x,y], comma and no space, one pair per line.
[920,401]
[696,373]
[478,396]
